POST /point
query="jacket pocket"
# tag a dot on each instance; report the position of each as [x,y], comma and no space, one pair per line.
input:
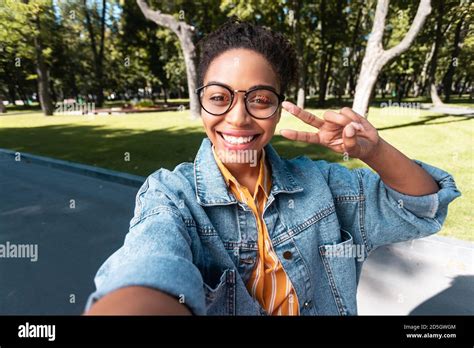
[220,300]
[340,266]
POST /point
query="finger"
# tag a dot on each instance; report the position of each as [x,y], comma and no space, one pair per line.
[336,118]
[303,115]
[358,126]
[349,136]
[339,141]
[307,137]
[356,117]
[351,114]
[336,142]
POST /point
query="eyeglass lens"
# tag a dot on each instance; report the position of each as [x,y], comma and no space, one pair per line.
[261,103]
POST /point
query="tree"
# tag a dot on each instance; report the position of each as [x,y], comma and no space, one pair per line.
[25,30]
[461,30]
[42,69]
[434,57]
[154,47]
[376,57]
[332,28]
[296,23]
[185,33]
[3,109]
[98,52]
[353,59]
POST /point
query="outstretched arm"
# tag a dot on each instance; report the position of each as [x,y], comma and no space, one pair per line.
[138,300]
[399,172]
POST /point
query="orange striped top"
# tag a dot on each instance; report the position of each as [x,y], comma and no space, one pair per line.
[269,283]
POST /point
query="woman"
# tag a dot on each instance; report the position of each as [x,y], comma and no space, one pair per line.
[243,231]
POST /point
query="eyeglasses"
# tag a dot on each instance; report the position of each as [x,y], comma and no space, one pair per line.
[261,102]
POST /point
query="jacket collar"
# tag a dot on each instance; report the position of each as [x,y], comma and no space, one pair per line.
[211,188]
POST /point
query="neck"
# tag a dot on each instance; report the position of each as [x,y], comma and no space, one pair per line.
[244,172]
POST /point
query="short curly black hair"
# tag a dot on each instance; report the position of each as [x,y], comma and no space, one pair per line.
[235,33]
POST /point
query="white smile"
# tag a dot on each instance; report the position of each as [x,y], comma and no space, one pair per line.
[237,140]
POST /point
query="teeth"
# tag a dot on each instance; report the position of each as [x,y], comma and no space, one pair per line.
[237,140]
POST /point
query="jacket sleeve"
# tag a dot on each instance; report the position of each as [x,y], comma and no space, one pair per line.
[156,253]
[386,216]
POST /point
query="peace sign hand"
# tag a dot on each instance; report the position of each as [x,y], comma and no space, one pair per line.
[343,132]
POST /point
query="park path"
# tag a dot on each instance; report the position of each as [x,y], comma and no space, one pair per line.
[73,237]
[451,110]
[430,276]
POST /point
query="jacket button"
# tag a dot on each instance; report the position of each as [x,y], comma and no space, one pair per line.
[308,304]
[287,255]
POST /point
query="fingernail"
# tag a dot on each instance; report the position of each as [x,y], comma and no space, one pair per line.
[358,126]
[350,131]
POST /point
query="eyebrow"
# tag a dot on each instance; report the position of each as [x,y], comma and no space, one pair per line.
[255,86]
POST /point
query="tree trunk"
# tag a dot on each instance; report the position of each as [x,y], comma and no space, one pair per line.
[457,84]
[424,72]
[435,99]
[54,96]
[383,84]
[355,34]
[376,57]
[3,108]
[165,94]
[185,33]
[75,89]
[98,55]
[11,91]
[409,85]
[300,100]
[399,87]
[43,74]
[466,83]
[23,95]
[326,60]
[301,89]
[457,45]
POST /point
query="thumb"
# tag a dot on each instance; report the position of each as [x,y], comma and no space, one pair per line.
[349,138]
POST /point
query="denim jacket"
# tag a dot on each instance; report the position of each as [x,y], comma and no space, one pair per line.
[189,237]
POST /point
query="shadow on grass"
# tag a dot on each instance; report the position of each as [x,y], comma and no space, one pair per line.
[132,151]
[143,152]
[22,112]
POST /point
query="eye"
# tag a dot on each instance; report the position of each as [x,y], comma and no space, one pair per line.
[261,99]
[219,98]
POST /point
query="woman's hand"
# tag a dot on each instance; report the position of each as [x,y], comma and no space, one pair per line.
[343,132]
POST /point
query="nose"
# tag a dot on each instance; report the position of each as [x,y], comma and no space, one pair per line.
[238,116]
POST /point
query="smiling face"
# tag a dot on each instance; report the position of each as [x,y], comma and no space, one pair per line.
[237,131]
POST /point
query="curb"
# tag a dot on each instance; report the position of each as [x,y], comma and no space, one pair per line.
[83,169]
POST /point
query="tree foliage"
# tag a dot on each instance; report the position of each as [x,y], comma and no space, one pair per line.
[51,49]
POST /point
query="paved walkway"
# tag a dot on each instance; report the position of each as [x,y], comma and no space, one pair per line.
[433,275]
[73,237]
[450,110]
[430,276]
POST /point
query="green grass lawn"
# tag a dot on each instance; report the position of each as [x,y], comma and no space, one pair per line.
[165,139]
